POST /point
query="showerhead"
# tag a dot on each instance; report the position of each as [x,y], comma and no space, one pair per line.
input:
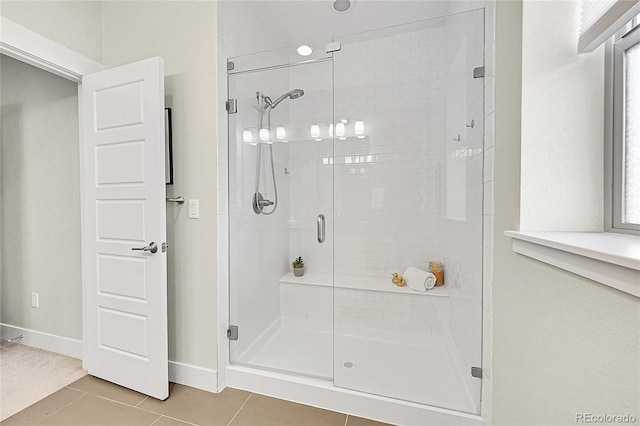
[296,93]
[291,94]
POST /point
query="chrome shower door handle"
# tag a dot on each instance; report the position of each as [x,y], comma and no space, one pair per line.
[321,228]
[152,247]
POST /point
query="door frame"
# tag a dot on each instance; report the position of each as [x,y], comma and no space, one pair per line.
[27,46]
[30,47]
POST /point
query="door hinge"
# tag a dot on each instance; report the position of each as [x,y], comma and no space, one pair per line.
[232,332]
[232,106]
[476,372]
[230,66]
[334,46]
[478,72]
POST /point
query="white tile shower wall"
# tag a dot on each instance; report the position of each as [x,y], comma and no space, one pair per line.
[388,185]
[311,178]
[421,315]
[488,202]
[258,244]
[310,302]
[407,192]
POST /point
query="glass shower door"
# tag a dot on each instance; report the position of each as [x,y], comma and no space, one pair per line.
[280,209]
[408,190]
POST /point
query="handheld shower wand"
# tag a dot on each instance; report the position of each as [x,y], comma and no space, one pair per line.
[267,105]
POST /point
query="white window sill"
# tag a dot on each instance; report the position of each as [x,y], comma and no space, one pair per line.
[610,259]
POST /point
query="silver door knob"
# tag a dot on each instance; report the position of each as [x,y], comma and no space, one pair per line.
[152,247]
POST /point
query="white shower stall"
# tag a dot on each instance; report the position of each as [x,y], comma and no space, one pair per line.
[377,167]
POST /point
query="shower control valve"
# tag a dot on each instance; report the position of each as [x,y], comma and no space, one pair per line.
[259,203]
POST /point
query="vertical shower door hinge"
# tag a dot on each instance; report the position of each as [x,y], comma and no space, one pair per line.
[478,72]
[476,372]
[230,66]
[334,46]
[232,332]
[232,106]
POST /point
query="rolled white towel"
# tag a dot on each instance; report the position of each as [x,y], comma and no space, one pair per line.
[418,279]
[430,282]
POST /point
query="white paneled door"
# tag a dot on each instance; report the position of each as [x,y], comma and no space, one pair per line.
[124,227]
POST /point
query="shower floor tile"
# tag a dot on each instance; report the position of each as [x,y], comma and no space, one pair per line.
[423,373]
[367,360]
[301,347]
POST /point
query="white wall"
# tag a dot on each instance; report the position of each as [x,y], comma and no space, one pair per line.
[74,24]
[40,201]
[562,122]
[183,33]
[562,344]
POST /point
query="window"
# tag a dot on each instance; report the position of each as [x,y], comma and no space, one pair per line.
[624,200]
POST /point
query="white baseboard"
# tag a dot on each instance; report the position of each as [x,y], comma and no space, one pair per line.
[193,376]
[46,341]
[184,374]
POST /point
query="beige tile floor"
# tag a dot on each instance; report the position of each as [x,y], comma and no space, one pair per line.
[91,401]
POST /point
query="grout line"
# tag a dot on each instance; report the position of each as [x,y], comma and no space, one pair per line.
[241,407]
[71,387]
[62,408]
[156,420]
[152,412]
[177,419]
[143,400]
[346,419]
[123,403]
[143,409]
[114,400]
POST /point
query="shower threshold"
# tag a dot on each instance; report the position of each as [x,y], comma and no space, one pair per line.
[419,370]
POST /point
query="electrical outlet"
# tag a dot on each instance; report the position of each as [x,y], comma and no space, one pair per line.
[35,300]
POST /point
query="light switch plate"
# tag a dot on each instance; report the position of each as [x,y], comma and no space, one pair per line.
[194,209]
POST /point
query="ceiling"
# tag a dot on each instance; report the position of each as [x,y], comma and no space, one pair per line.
[260,25]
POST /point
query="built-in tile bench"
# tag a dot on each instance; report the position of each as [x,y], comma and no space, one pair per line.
[372,302]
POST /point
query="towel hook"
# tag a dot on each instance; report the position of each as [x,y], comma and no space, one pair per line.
[470,124]
[456,139]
